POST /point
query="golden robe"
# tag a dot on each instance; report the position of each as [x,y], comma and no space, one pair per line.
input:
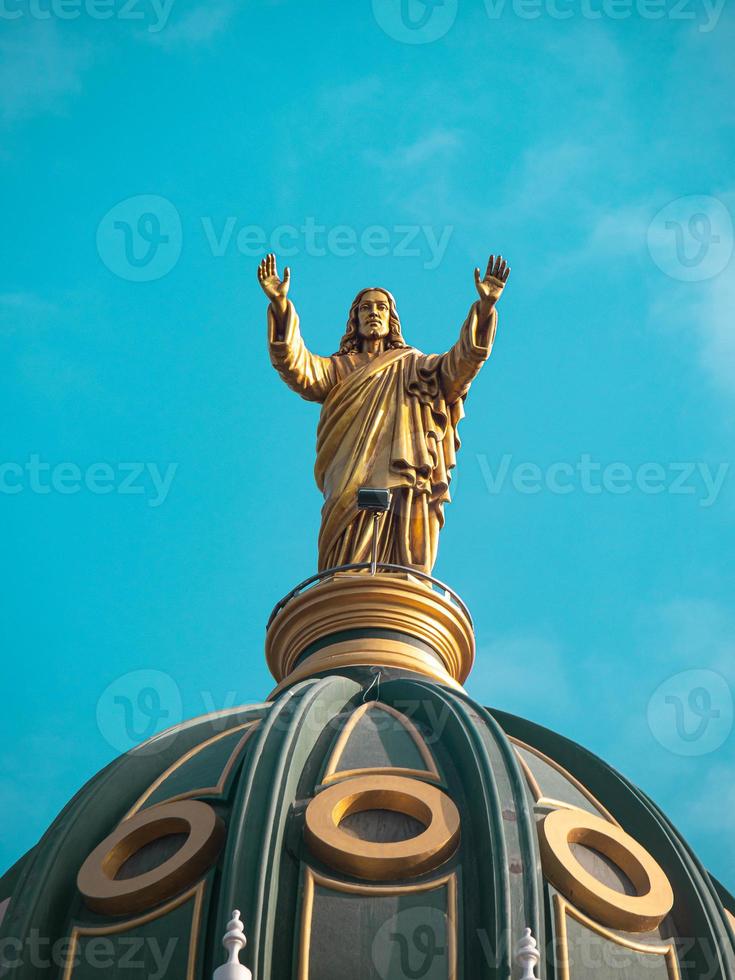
[387,420]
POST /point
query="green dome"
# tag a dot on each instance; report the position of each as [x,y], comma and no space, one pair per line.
[369,825]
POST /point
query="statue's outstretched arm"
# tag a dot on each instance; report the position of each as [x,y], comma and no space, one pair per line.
[462,362]
[309,375]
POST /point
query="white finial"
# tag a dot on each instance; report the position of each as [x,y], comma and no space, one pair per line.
[527,955]
[234,940]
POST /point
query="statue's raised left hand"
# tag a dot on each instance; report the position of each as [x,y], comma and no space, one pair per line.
[275,288]
[492,285]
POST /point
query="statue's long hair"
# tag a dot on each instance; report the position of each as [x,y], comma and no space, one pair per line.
[350,342]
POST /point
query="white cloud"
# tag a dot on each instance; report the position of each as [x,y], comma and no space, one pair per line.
[700,315]
[525,673]
[623,229]
[19,311]
[39,69]
[201,25]
[437,144]
[715,320]
[43,354]
[596,60]
[418,177]
[25,303]
[547,174]
[688,633]
[712,809]
[337,99]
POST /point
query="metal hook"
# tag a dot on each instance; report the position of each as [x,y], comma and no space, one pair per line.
[375,681]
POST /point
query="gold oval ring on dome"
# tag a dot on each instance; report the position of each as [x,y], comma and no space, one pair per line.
[380,861]
[104,892]
[645,910]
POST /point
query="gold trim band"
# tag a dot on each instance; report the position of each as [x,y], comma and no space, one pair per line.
[219,786]
[197,893]
[353,601]
[562,909]
[538,793]
[332,773]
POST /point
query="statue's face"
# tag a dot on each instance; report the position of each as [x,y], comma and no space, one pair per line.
[373,315]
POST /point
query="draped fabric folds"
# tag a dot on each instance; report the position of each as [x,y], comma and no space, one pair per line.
[387,420]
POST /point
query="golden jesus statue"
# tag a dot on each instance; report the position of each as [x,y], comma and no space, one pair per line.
[389,416]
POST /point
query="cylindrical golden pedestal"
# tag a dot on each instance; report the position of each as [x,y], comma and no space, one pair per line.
[392,620]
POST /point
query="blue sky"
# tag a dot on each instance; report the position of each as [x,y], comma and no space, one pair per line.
[157,494]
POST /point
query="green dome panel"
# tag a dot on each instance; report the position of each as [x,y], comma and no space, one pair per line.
[377,736]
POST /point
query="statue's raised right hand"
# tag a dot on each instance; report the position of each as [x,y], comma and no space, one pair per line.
[275,289]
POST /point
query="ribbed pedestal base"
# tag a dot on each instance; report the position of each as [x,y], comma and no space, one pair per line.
[392,620]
